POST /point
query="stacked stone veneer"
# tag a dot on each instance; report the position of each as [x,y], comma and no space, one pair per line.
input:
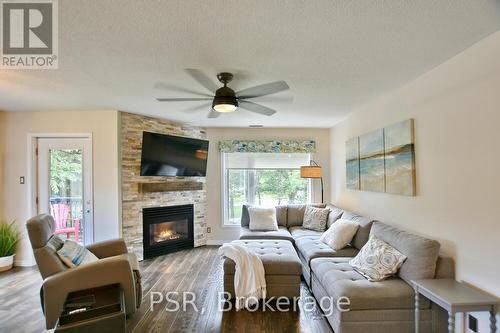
[181,193]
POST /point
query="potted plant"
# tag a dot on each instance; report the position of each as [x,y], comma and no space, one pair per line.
[9,237]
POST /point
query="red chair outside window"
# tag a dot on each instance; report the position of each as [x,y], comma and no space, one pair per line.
[60,212]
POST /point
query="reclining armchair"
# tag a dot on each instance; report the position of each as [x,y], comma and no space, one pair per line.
[115,265]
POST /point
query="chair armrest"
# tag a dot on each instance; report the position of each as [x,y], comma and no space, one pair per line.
[97,274]
[108,248]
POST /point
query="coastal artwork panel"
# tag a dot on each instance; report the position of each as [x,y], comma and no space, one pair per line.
[371,161]
[352,163]
[400,158]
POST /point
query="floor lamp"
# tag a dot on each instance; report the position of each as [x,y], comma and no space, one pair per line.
[313,170]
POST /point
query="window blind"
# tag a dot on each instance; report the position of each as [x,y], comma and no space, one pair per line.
[265,160]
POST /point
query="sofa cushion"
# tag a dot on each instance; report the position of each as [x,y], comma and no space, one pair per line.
[278,257]
[422,253]
[363,233]
[295,214]
[339,279]
[335,214]
[282,233]
[245,217]
[281,212]
[281,215]
[314,248]
[299,232]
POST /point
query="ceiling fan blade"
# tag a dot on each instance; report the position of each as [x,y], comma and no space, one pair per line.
[171,87]
[202,79]
[213,114]
[187,99]
[197,107]
[257,108]
[263,89]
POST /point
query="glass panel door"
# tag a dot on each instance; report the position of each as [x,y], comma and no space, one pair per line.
[64,186]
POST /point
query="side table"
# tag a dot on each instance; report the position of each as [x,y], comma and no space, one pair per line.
[454,297]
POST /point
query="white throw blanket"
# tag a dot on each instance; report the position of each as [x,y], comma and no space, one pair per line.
[249,276]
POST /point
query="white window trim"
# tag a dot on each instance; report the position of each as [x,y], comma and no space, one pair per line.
[224,194]
[224,189]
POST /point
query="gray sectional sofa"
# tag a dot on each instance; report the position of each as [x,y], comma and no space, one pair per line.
[386,306]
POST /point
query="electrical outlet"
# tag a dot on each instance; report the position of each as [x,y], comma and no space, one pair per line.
[473,323]
[21,180]
[209,230]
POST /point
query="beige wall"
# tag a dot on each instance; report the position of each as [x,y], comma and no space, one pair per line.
[456,108]
[214,203]
[102,124]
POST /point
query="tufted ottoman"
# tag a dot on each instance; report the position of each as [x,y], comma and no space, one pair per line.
[281,264]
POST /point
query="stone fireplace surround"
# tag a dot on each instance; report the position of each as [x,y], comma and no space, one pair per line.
[162,191]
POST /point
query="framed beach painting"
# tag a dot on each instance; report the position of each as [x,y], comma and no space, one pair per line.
[352,163]
[371,161]
[400,158]
[383,160]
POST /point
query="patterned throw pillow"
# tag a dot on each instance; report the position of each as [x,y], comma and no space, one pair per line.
[315,218]
[377,260]
[74,254]
[339,234]
[55,242]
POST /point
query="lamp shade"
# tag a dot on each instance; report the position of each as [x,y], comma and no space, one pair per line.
[310,171]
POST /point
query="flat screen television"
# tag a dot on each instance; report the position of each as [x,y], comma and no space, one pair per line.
[169,155]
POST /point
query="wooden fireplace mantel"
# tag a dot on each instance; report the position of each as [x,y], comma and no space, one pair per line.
[170,186]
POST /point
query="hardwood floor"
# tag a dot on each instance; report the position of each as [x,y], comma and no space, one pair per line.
[198,270]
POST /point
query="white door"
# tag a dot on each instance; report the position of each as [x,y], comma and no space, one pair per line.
[64,187]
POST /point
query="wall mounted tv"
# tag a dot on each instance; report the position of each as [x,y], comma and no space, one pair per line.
[169,155]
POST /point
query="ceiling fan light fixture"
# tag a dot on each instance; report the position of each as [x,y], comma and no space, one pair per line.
[225,104]
[225,108]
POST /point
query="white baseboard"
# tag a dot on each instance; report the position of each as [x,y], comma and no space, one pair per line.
[217,241]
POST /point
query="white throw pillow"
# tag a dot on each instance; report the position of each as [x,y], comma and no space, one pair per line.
[377,260]
[315,218]
[339,234]
[263,219]
[74,254]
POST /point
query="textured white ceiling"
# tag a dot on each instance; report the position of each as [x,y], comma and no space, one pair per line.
[335,55]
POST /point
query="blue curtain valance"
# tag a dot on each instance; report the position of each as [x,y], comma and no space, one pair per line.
[269,146]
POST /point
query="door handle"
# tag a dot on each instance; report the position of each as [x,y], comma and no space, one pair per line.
[87,211]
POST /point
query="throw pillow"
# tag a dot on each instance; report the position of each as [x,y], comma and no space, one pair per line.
[281,215]
[55,242]
[315,218]
[339,234]
[74,254]
[377,260]
[263,219]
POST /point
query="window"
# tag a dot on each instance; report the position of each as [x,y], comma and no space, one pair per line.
[264,179]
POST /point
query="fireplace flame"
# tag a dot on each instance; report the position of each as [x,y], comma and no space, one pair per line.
[166,234]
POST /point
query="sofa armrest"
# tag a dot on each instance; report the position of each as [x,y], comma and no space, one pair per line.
[108,248]
[97,274]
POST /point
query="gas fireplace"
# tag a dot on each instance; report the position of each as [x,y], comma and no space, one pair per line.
[167,229]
